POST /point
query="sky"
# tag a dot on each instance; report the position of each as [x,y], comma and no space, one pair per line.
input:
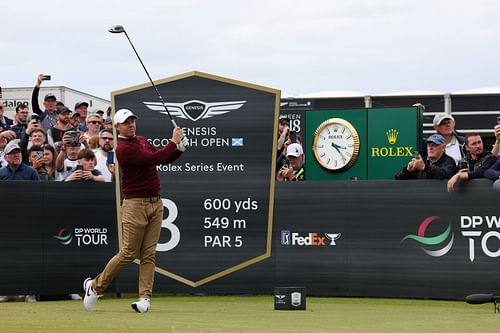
[298,47]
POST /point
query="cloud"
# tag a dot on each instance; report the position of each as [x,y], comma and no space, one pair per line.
[373,46]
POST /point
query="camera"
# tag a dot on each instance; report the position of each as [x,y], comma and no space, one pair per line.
[46,78]
[35,117]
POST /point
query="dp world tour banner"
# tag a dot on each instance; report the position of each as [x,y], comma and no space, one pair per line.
[218,196]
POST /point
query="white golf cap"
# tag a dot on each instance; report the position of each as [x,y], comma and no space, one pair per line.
[122,115]
[294,149]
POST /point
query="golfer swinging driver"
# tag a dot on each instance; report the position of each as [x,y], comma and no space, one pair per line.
[142,208]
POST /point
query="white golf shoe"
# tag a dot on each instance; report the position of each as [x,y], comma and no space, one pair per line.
[141,306]
[91,296]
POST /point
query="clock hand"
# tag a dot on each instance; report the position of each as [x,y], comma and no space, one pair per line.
[340,153]
[334,145]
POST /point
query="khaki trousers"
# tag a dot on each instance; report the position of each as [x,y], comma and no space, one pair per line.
[141,220]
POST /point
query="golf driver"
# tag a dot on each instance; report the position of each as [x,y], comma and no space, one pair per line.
[117,29]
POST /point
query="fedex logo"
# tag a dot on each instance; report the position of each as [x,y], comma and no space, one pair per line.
[310,239]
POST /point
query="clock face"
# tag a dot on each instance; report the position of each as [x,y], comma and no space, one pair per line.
[336,144]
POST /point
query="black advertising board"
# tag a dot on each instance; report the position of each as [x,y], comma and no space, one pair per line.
[344,238]
[388,238]
[218,196]
[54,235]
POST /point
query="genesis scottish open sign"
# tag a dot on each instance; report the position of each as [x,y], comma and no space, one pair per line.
[219,195]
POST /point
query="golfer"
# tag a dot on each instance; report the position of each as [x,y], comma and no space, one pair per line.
[142,208]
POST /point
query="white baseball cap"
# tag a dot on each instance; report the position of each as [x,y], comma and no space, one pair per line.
[294,149]
[439,117]
[122,115]
[11,146]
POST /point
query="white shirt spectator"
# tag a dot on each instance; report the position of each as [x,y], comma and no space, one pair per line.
[101,164]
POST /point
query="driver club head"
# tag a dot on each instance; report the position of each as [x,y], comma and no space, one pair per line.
[116,29]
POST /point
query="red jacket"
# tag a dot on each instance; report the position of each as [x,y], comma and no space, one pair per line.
[138,160]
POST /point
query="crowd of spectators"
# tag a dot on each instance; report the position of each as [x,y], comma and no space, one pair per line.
[449,155]
[56,143]
[446,155]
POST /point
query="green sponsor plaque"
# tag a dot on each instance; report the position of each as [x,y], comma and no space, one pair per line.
[393,135]
[355,117]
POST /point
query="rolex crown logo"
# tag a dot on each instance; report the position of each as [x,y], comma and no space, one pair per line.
[392,136]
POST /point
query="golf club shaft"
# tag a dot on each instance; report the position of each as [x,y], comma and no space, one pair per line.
[150,80]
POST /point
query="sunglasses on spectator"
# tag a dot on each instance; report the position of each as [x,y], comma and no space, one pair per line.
[95,122]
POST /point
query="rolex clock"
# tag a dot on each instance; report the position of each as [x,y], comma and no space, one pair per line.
[336,145]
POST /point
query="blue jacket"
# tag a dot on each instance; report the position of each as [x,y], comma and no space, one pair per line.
[494,171]
[24,172]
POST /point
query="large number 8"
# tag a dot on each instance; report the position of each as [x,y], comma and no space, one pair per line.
[168,224]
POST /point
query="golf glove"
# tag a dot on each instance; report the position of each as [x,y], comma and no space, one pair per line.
[183,144]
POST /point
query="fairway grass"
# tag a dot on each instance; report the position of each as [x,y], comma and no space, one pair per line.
[211,314]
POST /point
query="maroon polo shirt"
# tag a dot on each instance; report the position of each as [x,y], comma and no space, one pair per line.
[138,160]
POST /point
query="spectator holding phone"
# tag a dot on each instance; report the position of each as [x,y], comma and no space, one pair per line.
[105,155]
[438,165]
[283,133]
[496,151]
[295,170]
[35,157]
[493,172]
[475,163]
[85,169]
[34,136]
[48,118]
[56,133]
[67,158]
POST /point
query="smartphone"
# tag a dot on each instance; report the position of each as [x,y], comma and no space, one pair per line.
[416,155]
[79,167]
[293,136]
[111,157]
[39,155]
[498,120]
[35,117]
[75,138]
[46,77]
[462,164]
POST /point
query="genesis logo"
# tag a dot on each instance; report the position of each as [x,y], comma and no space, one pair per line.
[435,241]
[64,236]
[195,109]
